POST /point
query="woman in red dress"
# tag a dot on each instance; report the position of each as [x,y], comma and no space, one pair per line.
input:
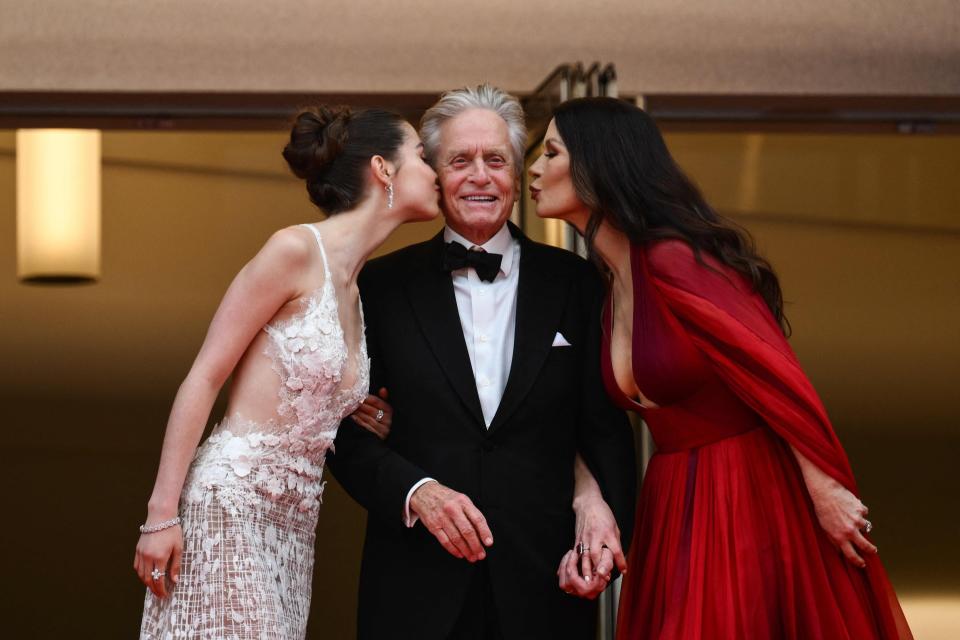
[749,525]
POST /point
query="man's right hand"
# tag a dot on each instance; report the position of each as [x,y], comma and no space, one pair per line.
[453,519]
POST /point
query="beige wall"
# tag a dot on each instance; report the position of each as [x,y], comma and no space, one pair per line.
[865,233]
[659,46]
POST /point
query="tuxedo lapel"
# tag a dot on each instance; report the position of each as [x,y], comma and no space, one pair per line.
[541,297]
[431,295]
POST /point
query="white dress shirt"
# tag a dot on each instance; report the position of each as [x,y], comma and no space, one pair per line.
[488,316]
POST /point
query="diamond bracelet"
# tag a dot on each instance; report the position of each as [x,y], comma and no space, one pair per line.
[160,526]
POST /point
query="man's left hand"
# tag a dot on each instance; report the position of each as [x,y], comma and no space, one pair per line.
[572,582]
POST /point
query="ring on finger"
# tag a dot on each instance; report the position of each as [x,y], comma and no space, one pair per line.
[867,526]
[156,574]
[379,415]
[582,548]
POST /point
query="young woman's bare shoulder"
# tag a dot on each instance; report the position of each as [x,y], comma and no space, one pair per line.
[289,248]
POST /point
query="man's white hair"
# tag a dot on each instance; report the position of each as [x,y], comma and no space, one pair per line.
[484,96]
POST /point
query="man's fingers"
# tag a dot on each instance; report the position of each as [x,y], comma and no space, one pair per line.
[479,523]
[577,584]
[445,542]
[456,539]
[470,537]
[562,573]
[569,570]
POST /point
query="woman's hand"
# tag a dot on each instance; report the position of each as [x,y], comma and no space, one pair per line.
[841,514]
[597,531]
[843,518]
[375,415]
[586,570]
[160,550]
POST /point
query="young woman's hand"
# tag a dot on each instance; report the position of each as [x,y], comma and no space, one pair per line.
[375,414]
[159,551]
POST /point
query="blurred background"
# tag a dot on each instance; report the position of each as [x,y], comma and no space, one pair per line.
[831,130]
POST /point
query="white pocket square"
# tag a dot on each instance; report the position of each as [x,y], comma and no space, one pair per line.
[560,341]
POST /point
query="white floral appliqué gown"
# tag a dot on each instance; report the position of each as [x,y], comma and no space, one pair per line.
[252,495]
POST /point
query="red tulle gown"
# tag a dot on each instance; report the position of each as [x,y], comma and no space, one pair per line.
[727,545]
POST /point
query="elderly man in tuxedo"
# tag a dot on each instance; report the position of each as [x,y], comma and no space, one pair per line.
[489,346]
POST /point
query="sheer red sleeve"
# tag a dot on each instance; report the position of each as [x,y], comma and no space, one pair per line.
[734,328]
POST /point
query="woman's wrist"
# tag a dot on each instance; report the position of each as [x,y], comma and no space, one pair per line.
[154,527]
[585,497]
[821,487]
[158,510]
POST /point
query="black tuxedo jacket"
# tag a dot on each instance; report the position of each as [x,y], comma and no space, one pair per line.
[519,472]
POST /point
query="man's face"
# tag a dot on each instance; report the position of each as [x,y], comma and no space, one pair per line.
[477,178]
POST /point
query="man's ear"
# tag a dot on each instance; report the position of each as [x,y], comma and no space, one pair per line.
[382,170]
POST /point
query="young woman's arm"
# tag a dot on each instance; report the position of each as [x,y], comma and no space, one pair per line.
[262,287]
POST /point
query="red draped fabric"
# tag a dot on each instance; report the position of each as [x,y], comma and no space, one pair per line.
[727,544]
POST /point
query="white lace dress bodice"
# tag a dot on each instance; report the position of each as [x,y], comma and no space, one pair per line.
[251,499]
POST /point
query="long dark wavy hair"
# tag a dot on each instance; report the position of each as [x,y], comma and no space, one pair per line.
[622,171]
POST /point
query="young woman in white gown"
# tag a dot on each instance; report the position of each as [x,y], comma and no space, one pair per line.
[227,547]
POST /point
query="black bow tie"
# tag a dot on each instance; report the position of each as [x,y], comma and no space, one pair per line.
[456,256]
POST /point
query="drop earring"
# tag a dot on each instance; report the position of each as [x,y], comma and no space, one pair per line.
[390,196]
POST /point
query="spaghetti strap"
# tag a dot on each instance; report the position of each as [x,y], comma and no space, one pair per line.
[323,254]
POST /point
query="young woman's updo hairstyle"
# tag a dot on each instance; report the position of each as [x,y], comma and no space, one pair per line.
[330,148]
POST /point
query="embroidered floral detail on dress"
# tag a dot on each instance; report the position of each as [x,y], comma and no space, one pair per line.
[251,499]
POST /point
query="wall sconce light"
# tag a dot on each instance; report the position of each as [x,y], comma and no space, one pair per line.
[58,205]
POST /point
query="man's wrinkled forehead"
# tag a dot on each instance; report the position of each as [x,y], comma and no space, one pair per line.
[475,131]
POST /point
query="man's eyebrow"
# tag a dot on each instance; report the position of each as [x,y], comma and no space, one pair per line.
[470,151]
